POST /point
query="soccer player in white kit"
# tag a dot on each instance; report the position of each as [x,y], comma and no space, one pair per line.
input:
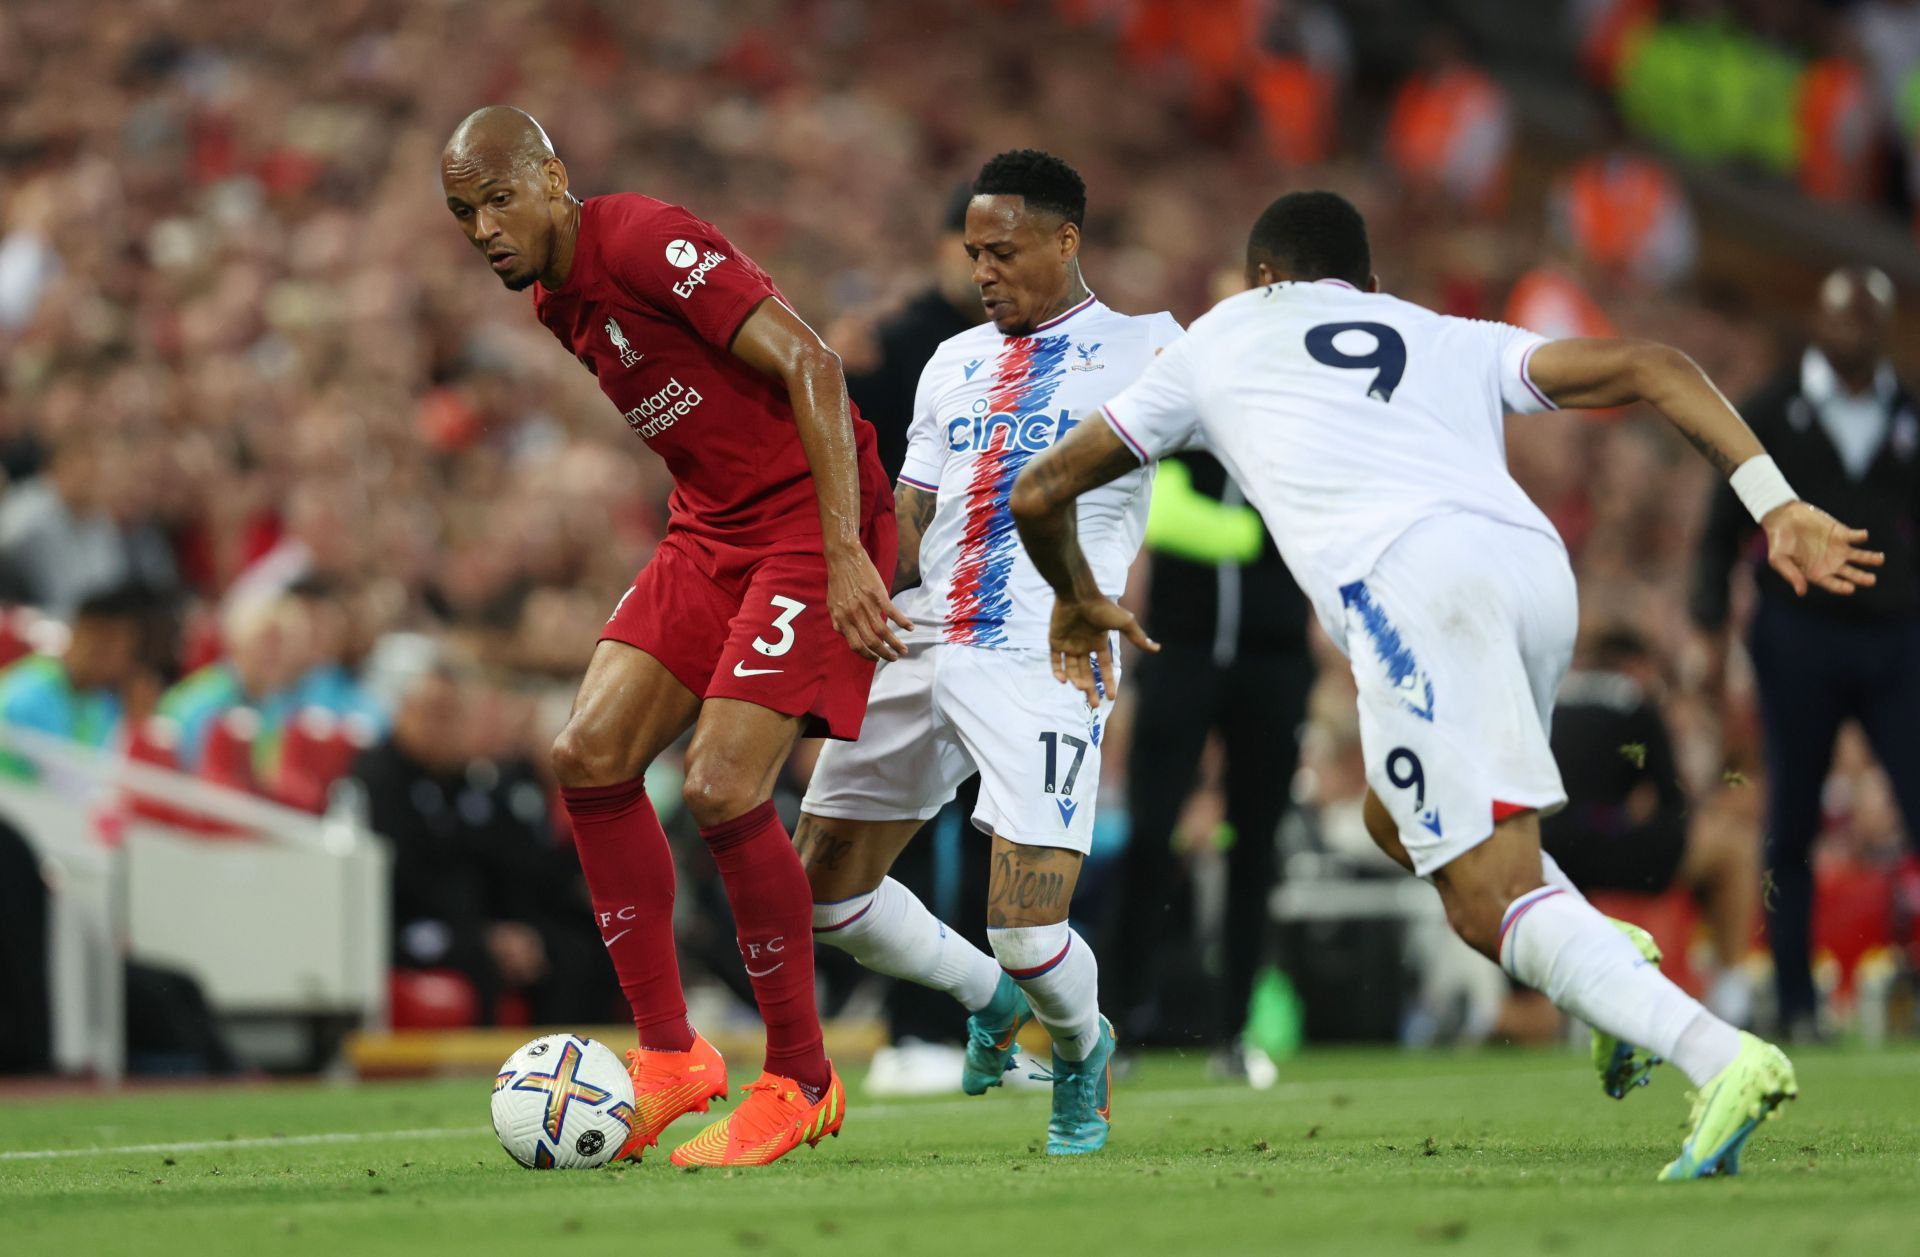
[1369,433]
[975,691]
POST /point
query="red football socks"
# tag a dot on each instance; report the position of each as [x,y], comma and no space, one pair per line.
[629,869]
[773,916]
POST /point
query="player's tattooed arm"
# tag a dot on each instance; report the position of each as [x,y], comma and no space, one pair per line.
[1592,372]
[1080,638]
[914,509]
[775,341]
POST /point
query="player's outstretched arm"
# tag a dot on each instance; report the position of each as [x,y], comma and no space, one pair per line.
[773,340]
[1084,619]
[914,507]
[1805,545]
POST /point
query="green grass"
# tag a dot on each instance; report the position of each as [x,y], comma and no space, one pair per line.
[1355,1152]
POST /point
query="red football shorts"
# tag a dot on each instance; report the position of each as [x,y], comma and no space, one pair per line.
[752,624]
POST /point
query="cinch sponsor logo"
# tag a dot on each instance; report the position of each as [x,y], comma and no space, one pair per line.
[664,409]
[698,275]
[1019,432]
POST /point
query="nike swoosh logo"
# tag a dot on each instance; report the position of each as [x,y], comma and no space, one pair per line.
[741,670]
[761,973]
[617,937]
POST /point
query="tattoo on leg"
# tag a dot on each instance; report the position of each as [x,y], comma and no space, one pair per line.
[818,846]
[1015,889]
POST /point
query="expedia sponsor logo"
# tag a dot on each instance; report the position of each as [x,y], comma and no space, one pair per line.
[698,275]
[664,409]
[1005,431]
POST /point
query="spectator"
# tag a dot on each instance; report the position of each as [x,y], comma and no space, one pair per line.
[328,682]
[1844,430]
[1626,217]
[478,884]
[58,535]
[81,694]
[1451,129]
[1627,825]
[267,650]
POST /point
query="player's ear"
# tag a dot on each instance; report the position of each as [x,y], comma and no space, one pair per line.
[554,172]
[1069,241]
[1373,282]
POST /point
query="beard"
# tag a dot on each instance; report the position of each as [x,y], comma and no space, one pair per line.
[519,283]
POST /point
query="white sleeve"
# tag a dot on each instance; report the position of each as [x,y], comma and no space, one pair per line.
[1517,390]
[926,455]
[1162,330]
[1159,413]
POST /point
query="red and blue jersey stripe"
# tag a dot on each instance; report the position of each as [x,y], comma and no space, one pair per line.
[1025,377]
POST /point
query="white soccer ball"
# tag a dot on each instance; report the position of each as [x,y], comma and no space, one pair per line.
[563,1102]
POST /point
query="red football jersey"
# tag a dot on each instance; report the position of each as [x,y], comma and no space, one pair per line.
[650,306]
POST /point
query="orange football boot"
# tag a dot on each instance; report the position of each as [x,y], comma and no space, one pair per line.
[772,1121]
[669,1085]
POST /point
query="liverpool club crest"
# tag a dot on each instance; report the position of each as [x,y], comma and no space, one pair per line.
[628,354]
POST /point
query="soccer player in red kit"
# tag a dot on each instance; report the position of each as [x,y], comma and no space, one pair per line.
[756,622]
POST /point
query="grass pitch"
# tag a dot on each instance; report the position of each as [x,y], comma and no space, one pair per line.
[1354,1152]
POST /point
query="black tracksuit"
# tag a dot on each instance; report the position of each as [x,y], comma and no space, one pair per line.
[1233,658]
[1822,659]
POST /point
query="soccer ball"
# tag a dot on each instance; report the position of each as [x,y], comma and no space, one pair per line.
[563,1102]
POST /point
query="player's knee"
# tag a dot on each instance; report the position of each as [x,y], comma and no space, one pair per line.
[582,758]
[714,795]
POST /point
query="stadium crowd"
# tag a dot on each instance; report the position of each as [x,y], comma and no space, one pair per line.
[251,367]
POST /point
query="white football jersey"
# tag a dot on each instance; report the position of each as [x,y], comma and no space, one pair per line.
[1346,416]
[986,404]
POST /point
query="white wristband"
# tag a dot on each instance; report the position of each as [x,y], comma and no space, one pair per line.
[1761,487]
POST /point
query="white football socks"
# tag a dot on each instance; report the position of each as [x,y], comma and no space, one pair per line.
[890,931]
[1056,969]
[1564,948]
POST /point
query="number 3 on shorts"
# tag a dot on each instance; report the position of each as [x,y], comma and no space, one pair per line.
[783,625]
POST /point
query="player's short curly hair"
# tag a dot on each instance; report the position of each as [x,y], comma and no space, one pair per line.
[1312,235]
[1045,181]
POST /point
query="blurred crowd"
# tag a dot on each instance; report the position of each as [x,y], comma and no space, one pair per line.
[252,369]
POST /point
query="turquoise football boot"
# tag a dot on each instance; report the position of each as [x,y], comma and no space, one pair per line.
[1082,1099]
[992,1035]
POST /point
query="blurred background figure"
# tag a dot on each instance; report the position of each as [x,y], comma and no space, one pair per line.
[83,693]
[1842,425]
[267,648]
[1233,661]
[479,886]
[61,539]
[1627,825]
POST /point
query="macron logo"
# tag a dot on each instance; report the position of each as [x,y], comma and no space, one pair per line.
[971,367]
[698,275]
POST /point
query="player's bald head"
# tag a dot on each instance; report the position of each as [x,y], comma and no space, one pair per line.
[497,139]
[1852,321]
[1865,289]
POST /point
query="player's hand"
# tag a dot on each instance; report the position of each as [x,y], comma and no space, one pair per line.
[1080,642]
[1807,546]
[858,604]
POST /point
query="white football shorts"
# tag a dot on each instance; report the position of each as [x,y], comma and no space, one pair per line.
[1458,639]
[944,712]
